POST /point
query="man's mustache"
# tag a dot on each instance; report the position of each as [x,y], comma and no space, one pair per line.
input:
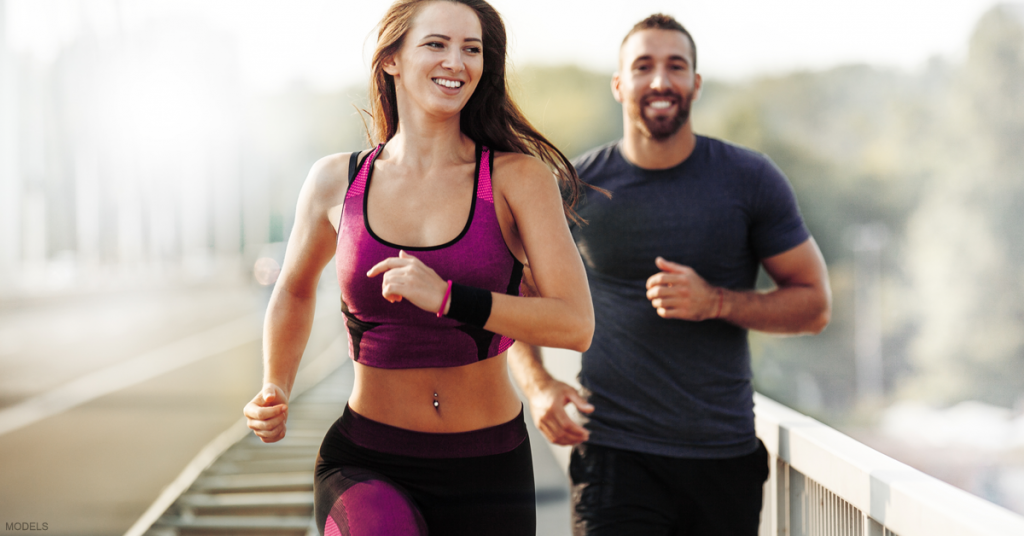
[655,95]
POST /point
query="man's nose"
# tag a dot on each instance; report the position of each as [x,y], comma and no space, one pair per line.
[660,80]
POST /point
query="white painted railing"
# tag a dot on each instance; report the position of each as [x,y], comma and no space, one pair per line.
[824,483]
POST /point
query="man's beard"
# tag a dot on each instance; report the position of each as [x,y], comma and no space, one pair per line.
[663,128]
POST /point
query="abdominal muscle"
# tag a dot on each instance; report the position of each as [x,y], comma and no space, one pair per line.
[469,397]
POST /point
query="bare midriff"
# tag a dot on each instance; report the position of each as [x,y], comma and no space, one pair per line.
[437,400]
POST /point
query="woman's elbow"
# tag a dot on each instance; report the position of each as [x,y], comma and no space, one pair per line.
[583,333]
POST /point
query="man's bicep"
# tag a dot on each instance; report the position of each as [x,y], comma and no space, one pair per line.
[802,265]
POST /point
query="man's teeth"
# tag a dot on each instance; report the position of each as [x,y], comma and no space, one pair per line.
[447,83]
[660,104]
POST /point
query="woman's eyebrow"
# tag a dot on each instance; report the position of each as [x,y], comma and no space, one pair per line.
[447,38]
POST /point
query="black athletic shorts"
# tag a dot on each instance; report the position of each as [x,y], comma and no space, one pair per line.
[622,492]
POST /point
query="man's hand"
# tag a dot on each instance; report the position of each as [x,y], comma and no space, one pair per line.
[678,292]
[547,405]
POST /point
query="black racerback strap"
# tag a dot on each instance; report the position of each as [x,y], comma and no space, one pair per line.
[355,161]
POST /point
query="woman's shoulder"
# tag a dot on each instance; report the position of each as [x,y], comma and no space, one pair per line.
[520,168]
[518,162]
[522,176]
[329,176]
[332,167]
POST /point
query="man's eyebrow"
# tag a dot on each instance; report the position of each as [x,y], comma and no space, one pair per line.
[674,57]
[447,38]
[638,59]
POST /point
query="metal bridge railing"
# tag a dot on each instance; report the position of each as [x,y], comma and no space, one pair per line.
[824,483]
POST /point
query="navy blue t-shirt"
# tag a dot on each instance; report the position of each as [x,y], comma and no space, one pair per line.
[665,386]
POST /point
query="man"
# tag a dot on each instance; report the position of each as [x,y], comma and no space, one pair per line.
[672,258]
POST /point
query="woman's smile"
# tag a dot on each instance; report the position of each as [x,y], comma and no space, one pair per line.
[449,84]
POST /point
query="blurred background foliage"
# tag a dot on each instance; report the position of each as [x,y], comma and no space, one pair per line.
[935,156]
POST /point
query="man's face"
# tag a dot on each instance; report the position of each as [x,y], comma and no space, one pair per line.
[656,83]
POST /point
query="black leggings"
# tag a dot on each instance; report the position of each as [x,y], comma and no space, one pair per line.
[376,479]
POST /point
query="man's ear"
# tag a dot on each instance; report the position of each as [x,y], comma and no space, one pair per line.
[616,84]
[698,86]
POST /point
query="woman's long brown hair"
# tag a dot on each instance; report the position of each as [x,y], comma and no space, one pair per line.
[490,117]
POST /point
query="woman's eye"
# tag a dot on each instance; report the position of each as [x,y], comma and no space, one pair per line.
[436,45]
[473,50]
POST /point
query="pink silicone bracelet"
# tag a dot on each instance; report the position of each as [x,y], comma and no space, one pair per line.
[444,300]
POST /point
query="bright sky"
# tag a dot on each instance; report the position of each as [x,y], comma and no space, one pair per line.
[328,42]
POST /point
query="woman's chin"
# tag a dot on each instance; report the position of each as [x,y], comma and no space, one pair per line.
[444,110]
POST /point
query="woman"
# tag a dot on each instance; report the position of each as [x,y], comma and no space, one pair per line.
[432,230]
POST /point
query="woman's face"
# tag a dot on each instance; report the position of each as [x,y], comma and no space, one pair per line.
[441,59]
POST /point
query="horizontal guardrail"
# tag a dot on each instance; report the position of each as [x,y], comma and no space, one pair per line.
[825,483]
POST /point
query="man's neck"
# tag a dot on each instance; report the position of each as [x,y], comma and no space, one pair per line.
[648,153]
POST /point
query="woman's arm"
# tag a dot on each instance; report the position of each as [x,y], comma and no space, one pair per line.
[529,208]
[289,317]
[561,315]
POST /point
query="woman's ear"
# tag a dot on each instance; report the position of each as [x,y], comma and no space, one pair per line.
[390,65]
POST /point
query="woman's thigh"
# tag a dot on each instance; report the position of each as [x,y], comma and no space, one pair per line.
[355,501]
[492,494]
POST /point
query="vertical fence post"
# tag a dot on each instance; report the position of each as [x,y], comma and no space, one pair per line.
[784,506]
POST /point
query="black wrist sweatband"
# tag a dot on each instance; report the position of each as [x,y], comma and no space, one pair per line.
[470,305]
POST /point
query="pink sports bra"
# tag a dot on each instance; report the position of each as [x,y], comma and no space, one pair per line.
[400,335]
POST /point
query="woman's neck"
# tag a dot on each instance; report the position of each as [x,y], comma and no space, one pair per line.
[423,140]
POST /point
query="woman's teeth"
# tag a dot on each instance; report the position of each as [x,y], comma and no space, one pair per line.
[447,83]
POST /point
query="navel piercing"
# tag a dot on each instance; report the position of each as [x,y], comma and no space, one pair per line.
[436,403]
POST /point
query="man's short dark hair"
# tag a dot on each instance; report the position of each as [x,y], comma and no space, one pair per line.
[661,21]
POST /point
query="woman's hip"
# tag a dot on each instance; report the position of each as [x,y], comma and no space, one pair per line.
[478,482]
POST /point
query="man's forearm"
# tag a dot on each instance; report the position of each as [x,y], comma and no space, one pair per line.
[791,310]
[527,366]
[802,302]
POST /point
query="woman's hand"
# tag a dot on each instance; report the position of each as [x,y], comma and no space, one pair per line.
[267,413]
[406,277]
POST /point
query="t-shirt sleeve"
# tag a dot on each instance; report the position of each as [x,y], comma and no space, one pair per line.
[580,163]
[776,225]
